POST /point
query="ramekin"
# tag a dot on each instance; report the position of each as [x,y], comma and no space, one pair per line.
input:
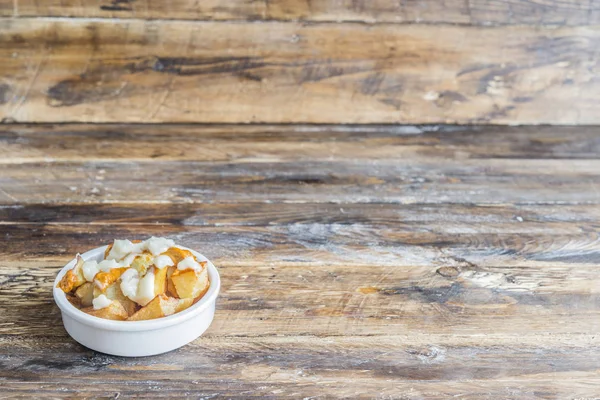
[138,338]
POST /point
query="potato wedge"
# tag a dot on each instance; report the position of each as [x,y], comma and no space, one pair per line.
[160,306]
[190,283]
[183,304]
[102,280]
[85,294]
[202,293]
[73,278]
[114,311]
[113,292]
[178,254]
[160,281]
[170,286]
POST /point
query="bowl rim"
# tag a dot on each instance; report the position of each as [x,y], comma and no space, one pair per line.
[134,326]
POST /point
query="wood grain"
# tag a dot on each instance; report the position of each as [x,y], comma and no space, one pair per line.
[472,12]
[491,182]
[174,71]
[311,325]
[405,366]
[260,143]
[277,282]
[428,165]
[356,261]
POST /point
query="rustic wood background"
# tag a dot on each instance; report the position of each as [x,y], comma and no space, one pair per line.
[381,229]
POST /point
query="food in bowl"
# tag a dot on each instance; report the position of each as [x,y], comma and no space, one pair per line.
[137,280]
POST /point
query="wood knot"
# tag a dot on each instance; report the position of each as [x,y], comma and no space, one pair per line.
[448,272]
[368,290]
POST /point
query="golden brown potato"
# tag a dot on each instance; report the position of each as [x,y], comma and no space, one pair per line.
[161,306]
[85,294]
[113,292]
[190,283]
[202,293]
[105,279]
[174,290]
[73,278]
[160,281]
[170,286]
[183,304]
[114,311]
[178,254]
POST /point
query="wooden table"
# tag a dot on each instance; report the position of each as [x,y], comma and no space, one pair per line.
[357,261]
[402,196]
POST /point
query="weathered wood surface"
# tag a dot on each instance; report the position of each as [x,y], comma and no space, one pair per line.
[329,289]
[260,143]
[186,71]
[473,12]
[427,165]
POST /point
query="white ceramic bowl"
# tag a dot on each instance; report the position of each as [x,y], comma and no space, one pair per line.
[138,338]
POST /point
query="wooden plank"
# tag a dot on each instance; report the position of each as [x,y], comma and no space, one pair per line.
[161,71]
[173,9]
[309,300]
[347,279]
[405,366]
[343,235]
[473,12]
[260,143]
[433,181]
[447,218]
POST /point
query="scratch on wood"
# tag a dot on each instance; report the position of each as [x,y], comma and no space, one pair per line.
[4,192]
[30,84]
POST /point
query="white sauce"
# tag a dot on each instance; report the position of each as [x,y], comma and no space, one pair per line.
[139,290]
[90,269]
[107,265]
[120,249]
[101,302]
[157,246]
[189,263]
[123,248]
[163,261]
[145,290]
[127,260]
[129,283]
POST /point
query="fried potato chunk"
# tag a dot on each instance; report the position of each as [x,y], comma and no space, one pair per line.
[85,294]
[161,306]
[113,292]
[190,283]
[73,278]
[114,311]
[160,280]
[142,262]
[178,254]
[202,293]
[170,286]
[105,279]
